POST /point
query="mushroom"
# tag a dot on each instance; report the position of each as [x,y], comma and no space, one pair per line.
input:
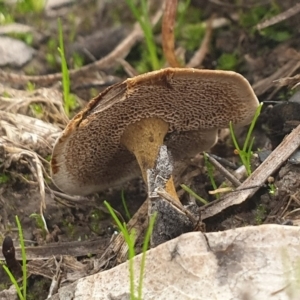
[120,131]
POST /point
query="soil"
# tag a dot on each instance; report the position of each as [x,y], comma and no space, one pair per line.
[92,29]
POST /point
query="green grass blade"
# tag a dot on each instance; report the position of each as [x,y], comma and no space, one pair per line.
[191,192]
[23,251]
[145,248]
[64,70]
[130,240]
[249,133]
[143,19]
[14,282]
[134,10]
[149,36]
[242,154]
[210,174]
[249,155]
[127,213]
[246,152]
[235,143]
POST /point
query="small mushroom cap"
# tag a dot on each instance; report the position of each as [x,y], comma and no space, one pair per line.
[88,156]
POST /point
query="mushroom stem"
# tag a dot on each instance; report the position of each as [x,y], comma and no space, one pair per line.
[144,139]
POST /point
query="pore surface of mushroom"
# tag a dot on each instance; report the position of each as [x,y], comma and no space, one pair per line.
[91,153]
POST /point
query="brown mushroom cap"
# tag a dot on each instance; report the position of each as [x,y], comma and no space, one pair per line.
[88,156]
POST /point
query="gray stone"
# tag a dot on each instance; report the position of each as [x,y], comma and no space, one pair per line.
[258,262]
[14,52]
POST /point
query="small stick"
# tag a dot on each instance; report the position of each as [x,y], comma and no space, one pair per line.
[224,162]
[222,170]
[221,190]
[280,17]
[56,279]
[168,40]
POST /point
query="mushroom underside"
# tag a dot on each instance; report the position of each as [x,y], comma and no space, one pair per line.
[78,179]
[194,103]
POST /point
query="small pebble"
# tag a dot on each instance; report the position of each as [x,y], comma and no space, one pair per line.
[295,158]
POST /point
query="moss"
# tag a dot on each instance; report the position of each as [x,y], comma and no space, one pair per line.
[228,61]
[4,178]
[260,214]
[95,219]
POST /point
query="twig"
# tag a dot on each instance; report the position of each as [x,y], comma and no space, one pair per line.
[224,171]
[224,162]
[131,72]
[288,69]
[75,249]
[280,17]
[168,40]
[74,199]
[56,279]
[291,82]
[224,4]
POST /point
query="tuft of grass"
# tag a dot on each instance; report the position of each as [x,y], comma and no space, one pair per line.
[142,16]
[21,290]
[192,193]
[130,240]
[245,153]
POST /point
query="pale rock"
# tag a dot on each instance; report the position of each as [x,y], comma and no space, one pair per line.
[14,52]
[261,262]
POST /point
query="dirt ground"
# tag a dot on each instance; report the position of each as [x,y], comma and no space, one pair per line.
[92,30]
